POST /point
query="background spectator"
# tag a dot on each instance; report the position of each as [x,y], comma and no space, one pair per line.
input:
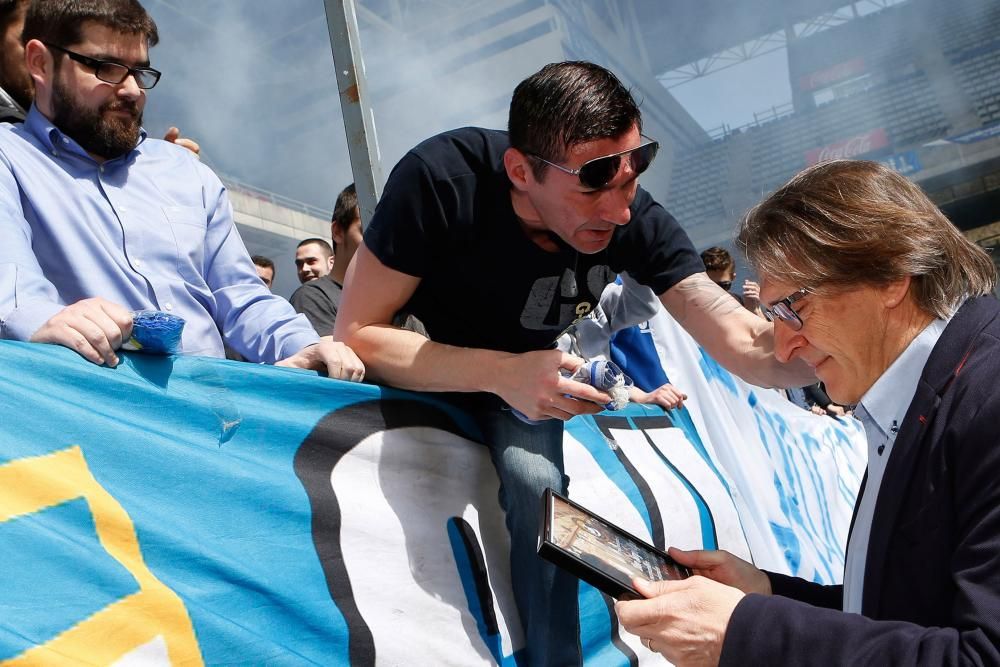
[721,269]
[16,89]
[319,299]
[265,269]
[313,259]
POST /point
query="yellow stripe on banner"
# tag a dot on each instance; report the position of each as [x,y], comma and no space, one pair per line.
[33,484]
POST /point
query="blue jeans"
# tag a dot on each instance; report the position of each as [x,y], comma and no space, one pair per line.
[529,459]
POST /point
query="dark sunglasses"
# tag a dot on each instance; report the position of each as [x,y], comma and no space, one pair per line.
[597,173]
[725,284]
[111,72]
[782,310]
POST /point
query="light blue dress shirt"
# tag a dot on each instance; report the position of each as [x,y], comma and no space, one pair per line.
[881,411]
[152,229]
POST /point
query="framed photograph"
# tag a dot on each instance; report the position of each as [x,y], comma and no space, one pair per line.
[599,552]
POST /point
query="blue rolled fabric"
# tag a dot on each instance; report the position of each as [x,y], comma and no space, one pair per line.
[155,332]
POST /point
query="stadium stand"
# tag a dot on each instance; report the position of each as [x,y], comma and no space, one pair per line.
[876,80]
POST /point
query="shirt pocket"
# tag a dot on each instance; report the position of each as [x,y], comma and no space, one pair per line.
[189,225]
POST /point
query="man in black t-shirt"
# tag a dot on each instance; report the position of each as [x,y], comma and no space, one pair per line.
[499,241]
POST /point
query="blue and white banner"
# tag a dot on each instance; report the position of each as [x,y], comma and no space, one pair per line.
[906,163]
[970,137]
[193,511]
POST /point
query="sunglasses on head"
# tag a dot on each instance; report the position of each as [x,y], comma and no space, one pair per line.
[597,173]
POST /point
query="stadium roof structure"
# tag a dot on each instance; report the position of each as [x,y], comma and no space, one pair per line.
[679,32]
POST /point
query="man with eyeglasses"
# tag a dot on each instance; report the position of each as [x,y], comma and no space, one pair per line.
[16,89]
[497,242]
[873,287]
[99,221]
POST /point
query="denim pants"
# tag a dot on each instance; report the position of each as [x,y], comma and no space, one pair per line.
[528,460]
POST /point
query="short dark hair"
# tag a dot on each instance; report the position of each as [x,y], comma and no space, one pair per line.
[263,262]
[567,103]
[717,259]
[322,243]
[8,10]
[60,22]
[345,210]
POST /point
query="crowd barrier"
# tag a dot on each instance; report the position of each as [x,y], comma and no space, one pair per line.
[196,511]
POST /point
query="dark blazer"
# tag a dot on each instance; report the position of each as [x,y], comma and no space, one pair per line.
[932,578]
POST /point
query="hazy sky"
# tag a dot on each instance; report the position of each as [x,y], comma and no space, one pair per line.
[732,96]
[253,82]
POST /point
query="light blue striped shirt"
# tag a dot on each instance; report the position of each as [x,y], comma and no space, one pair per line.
[152,229]
[881,412]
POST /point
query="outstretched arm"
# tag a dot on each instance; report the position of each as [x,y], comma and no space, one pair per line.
[739,340]
[336,359]
[529,382]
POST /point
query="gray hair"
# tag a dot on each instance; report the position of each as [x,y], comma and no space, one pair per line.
[854,222]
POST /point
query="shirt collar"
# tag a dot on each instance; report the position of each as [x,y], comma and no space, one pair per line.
[53,139]
[887,400]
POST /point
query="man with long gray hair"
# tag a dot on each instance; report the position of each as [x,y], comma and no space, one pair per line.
[870,285]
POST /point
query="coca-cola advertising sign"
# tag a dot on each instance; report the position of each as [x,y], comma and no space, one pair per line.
[848,148]
[832,75]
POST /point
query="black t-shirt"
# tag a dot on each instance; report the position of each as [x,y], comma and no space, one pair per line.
[446,217]
[319,301]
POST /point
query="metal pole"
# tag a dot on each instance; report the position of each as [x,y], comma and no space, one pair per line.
[355,105]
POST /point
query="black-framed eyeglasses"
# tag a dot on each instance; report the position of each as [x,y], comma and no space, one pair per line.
[597,173]
[112,72]
[782,310]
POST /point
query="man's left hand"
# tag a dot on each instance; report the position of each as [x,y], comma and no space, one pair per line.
[685,621]
[337,359]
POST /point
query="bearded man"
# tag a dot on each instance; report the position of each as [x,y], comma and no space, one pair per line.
[100,221]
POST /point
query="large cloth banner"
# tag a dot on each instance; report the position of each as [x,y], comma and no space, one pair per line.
[186,511]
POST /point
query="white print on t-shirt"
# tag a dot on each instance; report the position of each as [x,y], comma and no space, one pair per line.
[552,291]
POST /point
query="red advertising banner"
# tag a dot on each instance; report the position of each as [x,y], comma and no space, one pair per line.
[831,75]
[848,148]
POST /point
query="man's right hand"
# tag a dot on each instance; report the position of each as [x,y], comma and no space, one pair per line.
[95,328]
[531,384]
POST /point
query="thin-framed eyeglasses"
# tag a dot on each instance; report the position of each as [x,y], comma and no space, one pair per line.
[782,310]
[112,72]
[597,173]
